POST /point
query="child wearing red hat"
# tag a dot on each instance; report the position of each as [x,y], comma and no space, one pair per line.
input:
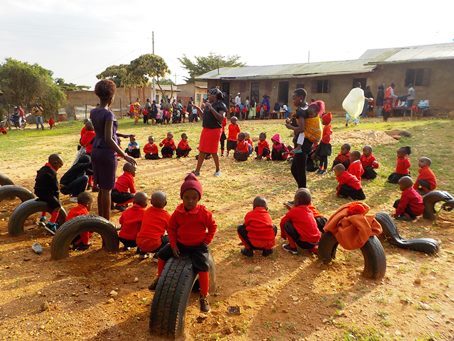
[356,168]
[84,201]
[258,231]
[263,148]
[131,220]
[191,230]
[279,151]
[324,148]
[369,163]
[402,165]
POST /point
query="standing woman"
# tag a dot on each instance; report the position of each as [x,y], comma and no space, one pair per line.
[105,145]
[212,116]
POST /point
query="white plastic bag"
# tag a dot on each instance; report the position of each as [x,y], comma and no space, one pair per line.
[354,102]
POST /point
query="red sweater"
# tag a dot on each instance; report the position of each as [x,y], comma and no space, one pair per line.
[260,228]
[130,222]
[242,147]
[262,145]
[403,165]
[184,145]
[356,168]
[125,183]
[154,223]
[191,228]
[249,141]
[168,143]
[412,199]
[426,174]
[150,148]
[348,179]
[342,157]
[326,134]
[304,223]
[77,211]
[87,140]
[234,130]
[369,161]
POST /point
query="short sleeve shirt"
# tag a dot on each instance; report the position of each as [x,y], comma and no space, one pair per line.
[99,117]
[209,121]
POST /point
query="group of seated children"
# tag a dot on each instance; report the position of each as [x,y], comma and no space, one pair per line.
[168,147]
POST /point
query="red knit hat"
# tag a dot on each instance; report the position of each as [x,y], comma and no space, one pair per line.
[191,182]
[326,118]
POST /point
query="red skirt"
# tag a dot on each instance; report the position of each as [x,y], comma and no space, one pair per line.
[209,140]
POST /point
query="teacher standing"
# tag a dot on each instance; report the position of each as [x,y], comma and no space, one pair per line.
[213,113]
[105,145]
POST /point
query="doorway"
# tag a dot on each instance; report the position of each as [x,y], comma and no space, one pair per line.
[225,88]
[282,93]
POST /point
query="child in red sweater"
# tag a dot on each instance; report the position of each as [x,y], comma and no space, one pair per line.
[183,148]
[191,230]
[356,168]
[151,237]
[131,220]
[223,137]
[151,149]
[263,148]
[343,157]
[232,137]
[242,148]
[426,180]
[298,226]
[349,185]
[84,202]
[402,165]
[369,163]
[124,189]
[410,205]
[324,148]
[257,231]
[168,146]
[86,140]
[3,129]
[247,138]
[319,218]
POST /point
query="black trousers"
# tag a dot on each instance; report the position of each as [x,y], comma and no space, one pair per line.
[407,209]
[423,184]
[222,141]
[135,153]
[198,255]
[265,153]
[244,235]
[321,222]
[152,156]
[52,202]
[127,242]
[324,162]
[231,145]
[293,233]
[349,192]
[121,197]
[75,187]
[145,118]
[345,163]
[277,156]
[167,152]
[395,177]
[369,173]
[182,153]
[240,156]
[298,168]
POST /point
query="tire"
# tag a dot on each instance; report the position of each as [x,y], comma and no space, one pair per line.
[59,248]
[168,309]
[9,192]
[390,232]
[24,210]
[4,180]
[373,254]
[431,198]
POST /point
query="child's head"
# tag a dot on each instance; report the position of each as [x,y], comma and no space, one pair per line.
[85,199]
[55,161]
[303,197]
[169,135]
[326,118]
[260,202]
[405,182]
[241,136]
[345,148]
[262,136]
[403,151]
[89,126]
[313,108]
[233,119]
[141,198]
[367,150]
[355,155]
[130,168]
[191,192]
[424,162]
[159,199]
[132,138]
[105,90]
[184,136]
[247,136]
[150,139]
[339,169]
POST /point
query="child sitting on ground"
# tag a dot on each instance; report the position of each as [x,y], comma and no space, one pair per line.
[232,137]
[151,237]
[124,189]
[263,148]
[343,157]
[46,189]
[356,168]
[324,148]
[410,205]
[168,146]
[183,148]
[279,151]
[151,149]
[247,138]
[298,226]
[402,165]
[257,231]
[349,185]
[369,163]
[242,148]
[426,180]
[84,202]
[131,220]
[191,230]
[133,147]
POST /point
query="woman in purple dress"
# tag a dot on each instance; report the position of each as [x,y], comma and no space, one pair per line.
[105,146]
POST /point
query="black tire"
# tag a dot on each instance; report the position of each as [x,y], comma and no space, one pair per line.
[4,180]
[431,198]
[390,232]
[168,309]
[373,254]
[59,248]
[9,192]
[24,210]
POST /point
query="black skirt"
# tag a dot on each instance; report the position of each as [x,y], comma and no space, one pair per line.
[323,149]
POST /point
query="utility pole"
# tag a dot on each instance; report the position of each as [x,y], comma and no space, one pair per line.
[153,90]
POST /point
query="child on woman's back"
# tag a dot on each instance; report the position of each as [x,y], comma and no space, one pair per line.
[402,165]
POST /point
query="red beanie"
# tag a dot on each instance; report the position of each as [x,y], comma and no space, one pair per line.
[191,182]
[326,118]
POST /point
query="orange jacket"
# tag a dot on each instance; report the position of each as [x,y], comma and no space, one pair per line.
[326,134]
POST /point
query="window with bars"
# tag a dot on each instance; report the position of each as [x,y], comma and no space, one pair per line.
[417,77]
[321,86]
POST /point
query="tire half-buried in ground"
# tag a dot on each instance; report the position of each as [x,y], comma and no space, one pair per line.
[9,192]
[431,198]
[4,180]
[168,309]
[71,229]
[27,208]
[373,254]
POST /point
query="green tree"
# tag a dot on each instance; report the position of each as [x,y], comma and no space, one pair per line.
[204,64]
[121,75]
[69,86]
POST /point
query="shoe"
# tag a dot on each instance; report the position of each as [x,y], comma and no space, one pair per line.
[218,173]
[51,227]
[120,208]
[293,251]
[73,199]
[247,252]
[154,284]
[267,252]
[322,171]
[196,173]
[42,221]
[204,305]
[403,218]
[80,247]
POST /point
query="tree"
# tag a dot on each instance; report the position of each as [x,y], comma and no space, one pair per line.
[204,64]
[69,86]
[121,75]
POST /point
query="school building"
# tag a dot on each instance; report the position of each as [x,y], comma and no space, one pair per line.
[429,67]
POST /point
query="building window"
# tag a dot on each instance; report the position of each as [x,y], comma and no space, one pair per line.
[255,91]
[321,86]
[417,77]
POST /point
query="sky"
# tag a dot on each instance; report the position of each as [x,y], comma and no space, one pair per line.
[77,39]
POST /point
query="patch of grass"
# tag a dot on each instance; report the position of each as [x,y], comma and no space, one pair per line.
[339,304]
[355,333]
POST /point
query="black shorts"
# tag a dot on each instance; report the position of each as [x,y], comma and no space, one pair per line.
[231,145]
[199,255]
[121,197]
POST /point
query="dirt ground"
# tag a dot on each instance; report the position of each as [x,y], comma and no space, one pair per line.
[282,297]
